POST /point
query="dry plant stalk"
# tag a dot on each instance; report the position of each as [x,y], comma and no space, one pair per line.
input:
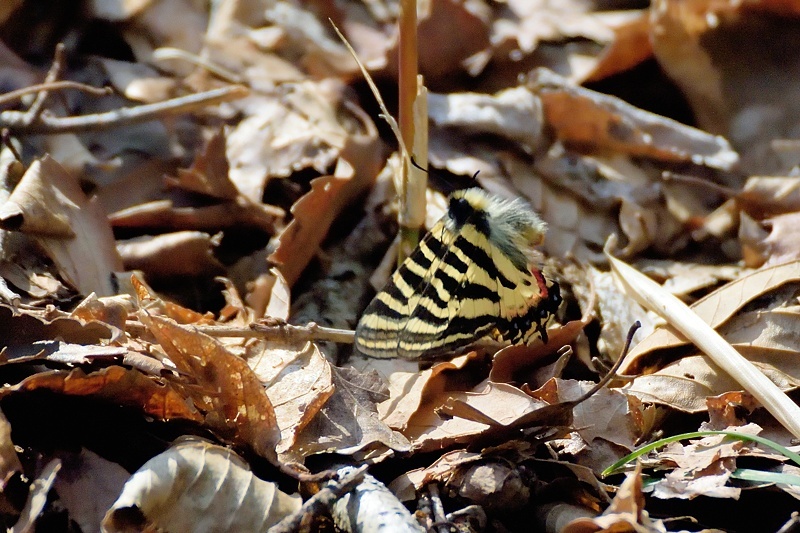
[413,128]
[648,293]
[411,184]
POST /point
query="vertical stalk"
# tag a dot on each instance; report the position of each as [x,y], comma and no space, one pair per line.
[412,196]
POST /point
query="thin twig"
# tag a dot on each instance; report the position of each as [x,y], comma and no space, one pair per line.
[165,53]
[6,140]
[439,519]
[605,380]
[34,112]
[311,332]
[268,331]
[12,96]
[15,120]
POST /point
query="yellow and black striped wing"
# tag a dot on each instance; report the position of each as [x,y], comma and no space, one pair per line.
[416,313]
[455,288]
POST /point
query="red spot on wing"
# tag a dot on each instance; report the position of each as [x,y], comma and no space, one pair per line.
[543,292]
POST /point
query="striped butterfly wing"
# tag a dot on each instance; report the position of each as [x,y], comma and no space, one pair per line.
[457,306]
[409,313]
[468,278]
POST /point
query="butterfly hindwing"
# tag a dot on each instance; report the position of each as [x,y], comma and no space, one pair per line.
[455,307]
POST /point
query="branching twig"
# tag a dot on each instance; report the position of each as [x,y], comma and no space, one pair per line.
[321,501]
[35,110]
[16,120]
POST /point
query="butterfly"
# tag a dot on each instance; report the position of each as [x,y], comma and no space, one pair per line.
[473,275]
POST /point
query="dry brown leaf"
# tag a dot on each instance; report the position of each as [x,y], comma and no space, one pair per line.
[468,414]
[172,255]
[313,215]
[714,309]
[727,58]
[302,126]
[115,384]
[162,215]
[221,385]
[298,385]
[605,415]
[729,409]
[683,279]
[765,335]
[495,485]
[195,486]
[349,423]
[703,467]
[208,174]
[513,113]
[630,47]
[763,196]
[445,51]
[407,485]
[307,38]
[589,120]
[154,27]
[626,512]
[515,364]
[139,82]
[783,242]
[49,205]
[408,386]
[111,310]
[63,353]
[22,327]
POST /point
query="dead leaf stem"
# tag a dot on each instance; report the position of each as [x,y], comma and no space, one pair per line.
[16,120]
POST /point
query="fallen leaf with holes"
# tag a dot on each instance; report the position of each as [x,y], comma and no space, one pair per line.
[115,384]
[220,384]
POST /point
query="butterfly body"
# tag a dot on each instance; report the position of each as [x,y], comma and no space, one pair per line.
[473,275]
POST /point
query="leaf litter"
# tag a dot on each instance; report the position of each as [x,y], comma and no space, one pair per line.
[175,252]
